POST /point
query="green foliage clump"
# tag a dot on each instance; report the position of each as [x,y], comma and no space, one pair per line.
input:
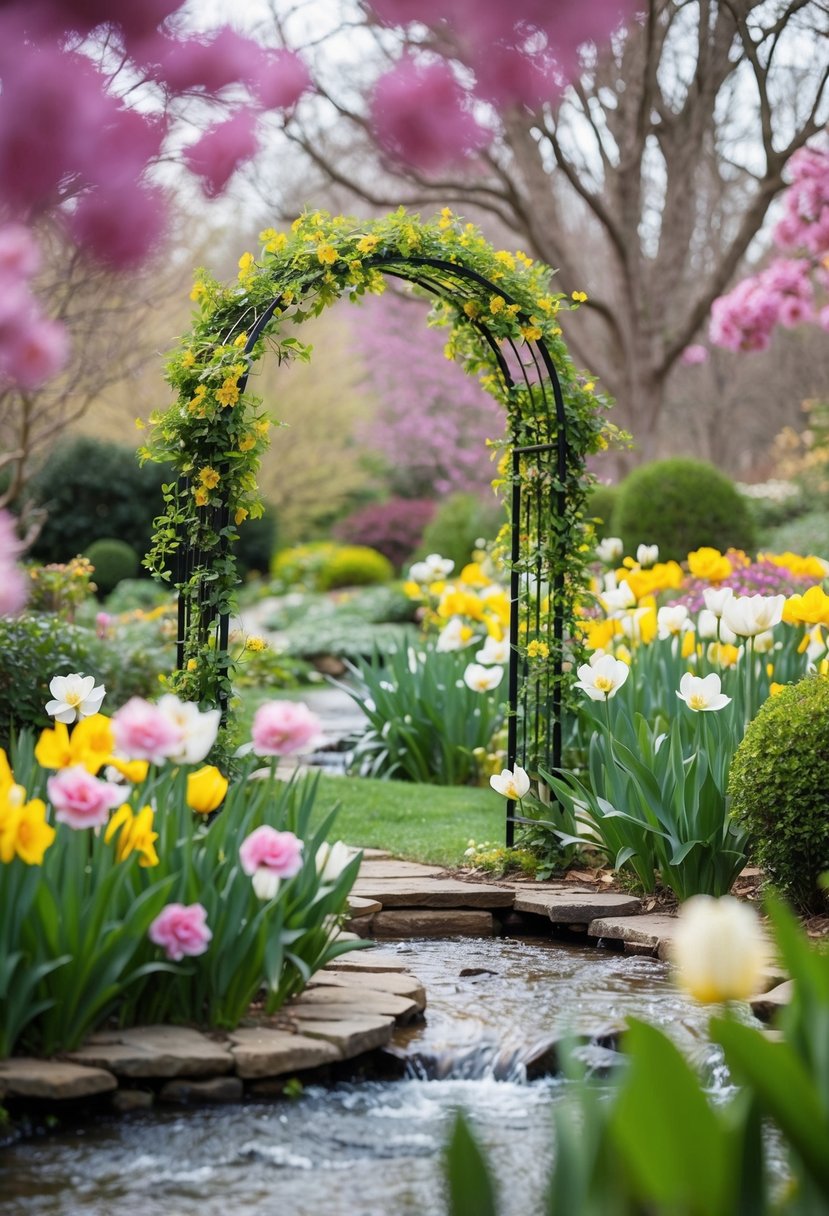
[132,593]
[600,506]
[681,505]
[91,490]
[35,647]
[355,566]
[459,523]
[113,560]
[779,786]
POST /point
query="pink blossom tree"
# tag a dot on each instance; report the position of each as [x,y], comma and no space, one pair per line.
[792,289]
[91,92]
[432,420]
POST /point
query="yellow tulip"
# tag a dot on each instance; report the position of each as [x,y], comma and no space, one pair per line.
[688,643]
[135,771]
[709,564]
[811,608]
[206,789]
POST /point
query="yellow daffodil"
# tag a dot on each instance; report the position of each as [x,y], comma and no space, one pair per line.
[206,789]
[598,634]
[135,834]
[460,603]
[91,744]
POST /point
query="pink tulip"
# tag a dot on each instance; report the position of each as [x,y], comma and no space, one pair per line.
[144,732]
[278,852]
[81,800]
[282,727]
[181,929]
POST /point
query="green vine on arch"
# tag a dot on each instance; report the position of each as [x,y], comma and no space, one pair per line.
[216,430]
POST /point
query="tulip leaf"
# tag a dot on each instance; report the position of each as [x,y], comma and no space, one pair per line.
[784,1088]
[470,1187]
[668,1135]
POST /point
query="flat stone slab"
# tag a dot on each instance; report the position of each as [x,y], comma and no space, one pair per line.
[766,1005]
[155,1051]
[374,962]
[343,1002]
[361,981]
[261,1052]
[352,1036]
[24,1077]
[359,906]
[654,930]
[576,907]
[397,869]
[449,922]
[433,893]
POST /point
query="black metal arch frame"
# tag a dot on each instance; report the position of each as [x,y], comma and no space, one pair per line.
[540,456]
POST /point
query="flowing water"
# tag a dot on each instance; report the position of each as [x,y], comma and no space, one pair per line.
[368,1148]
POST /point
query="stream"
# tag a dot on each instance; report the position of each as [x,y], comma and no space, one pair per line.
[369,1148]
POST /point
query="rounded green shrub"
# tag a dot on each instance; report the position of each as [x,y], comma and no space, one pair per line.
[459,523]
[299,567]
[355,566]
[113,560]
[600,506]
[779,786]
[681,505]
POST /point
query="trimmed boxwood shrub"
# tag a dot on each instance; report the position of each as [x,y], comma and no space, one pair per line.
[355,566]
[681,505]
[394,528]
[113,560]
[779,786]
[93,490]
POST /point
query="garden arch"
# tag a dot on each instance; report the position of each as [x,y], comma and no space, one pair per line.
[503,321]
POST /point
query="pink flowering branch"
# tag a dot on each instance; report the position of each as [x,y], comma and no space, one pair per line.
[792,290]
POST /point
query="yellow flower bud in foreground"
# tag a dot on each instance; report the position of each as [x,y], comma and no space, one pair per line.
[206,789]
[719,949]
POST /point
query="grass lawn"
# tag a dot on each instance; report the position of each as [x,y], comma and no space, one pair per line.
[429,823]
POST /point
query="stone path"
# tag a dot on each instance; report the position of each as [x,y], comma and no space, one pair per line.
[353,1005]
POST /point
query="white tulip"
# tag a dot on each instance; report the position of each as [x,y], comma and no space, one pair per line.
[610,549]
[719,949]
[514,784]
[816,647]
[331,860]
[702,692]
[494,651]
[603,679]
[432,569]
[647,555]
[764,642]
[74,696]
[716,599]
[748,615]
[672,620]
[709,625]
[482,679]
[265,883]
[454,635]
[198,728]
[618,600]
